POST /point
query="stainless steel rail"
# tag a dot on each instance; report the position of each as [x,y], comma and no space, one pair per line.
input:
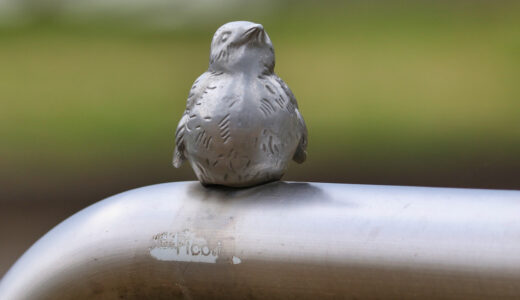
[280,240]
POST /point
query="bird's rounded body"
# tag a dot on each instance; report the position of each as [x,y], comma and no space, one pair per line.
[240,128]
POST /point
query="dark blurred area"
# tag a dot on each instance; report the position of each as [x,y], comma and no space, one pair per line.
[402,93]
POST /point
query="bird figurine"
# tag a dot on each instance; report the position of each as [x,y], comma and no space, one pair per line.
[241,125]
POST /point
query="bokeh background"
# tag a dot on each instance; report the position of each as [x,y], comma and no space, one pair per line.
[401,92]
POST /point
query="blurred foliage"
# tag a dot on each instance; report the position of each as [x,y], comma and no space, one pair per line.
[392,92]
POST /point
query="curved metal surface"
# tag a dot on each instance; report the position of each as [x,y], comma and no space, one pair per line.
[280,240]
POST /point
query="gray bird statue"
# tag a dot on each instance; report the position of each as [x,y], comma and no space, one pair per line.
[242,124]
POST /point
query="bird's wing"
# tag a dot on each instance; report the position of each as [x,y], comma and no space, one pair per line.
[196,92]
[178,155]
[301,151]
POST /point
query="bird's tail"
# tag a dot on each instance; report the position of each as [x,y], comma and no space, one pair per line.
[301,153]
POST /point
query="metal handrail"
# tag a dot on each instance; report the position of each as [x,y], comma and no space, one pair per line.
[279,240]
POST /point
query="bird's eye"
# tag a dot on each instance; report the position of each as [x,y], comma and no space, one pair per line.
[225,36]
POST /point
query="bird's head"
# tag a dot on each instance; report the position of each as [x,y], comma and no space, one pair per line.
[241,46]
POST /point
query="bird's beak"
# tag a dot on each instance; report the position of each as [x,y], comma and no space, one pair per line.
[255,33]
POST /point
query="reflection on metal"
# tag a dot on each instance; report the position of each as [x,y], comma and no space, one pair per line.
[242,124]
[280,240]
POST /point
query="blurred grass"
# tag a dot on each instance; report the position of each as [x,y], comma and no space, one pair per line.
[407,88]
[393,92]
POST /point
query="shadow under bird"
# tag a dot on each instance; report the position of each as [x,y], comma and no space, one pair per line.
[241,125]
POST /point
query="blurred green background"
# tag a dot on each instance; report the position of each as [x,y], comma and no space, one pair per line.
[400,92]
